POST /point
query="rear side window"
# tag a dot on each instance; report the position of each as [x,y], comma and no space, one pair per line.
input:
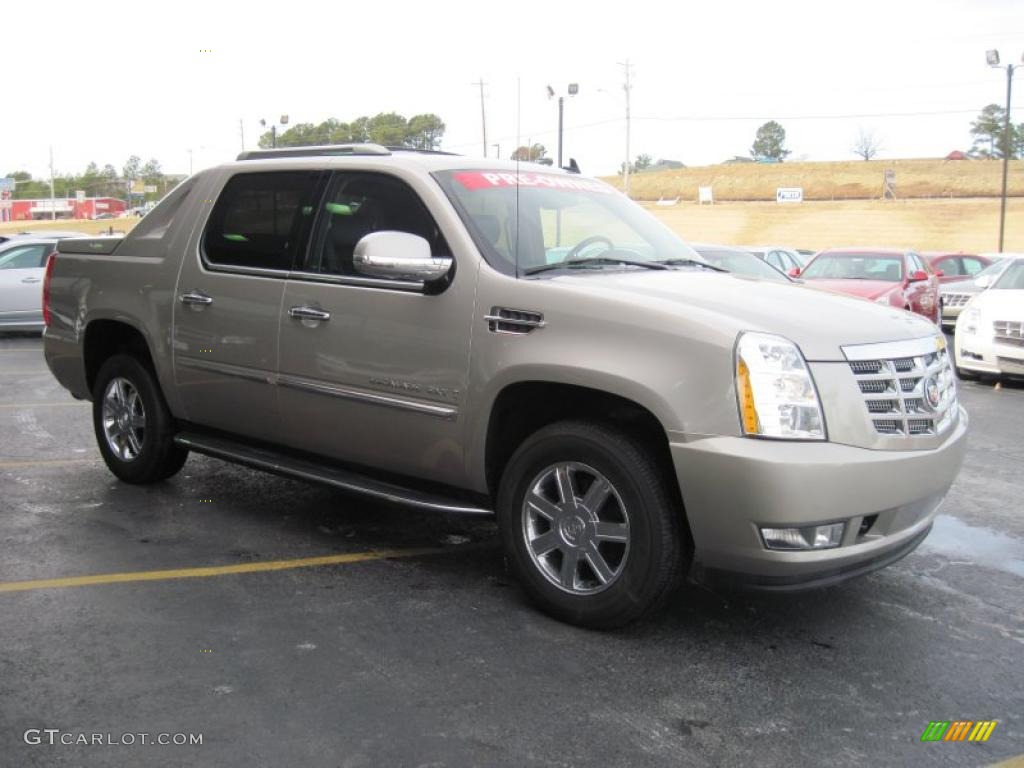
[26,257]
[258,219]
[156,223]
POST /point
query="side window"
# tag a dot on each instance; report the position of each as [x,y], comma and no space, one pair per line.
[949,266]
[358,204]
[26,257]
[258,219]
[971,266]
[914,262]
[158,221]
[775,259]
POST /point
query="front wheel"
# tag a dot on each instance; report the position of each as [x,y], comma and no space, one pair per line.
[134,428]
[589,525]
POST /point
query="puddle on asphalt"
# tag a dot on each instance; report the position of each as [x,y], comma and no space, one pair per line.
[955,539]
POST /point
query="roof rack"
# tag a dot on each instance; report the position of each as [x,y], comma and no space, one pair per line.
[318,151]
[333,150]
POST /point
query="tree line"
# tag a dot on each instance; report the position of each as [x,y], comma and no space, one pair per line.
[389,129]
[97,182]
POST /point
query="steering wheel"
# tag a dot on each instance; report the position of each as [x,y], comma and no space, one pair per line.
[586,242]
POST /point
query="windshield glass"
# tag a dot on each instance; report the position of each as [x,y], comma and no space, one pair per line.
[1012,279]
[887,268]
[560,218]
[741,262]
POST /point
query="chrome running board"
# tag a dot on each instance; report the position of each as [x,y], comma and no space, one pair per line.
[326,474]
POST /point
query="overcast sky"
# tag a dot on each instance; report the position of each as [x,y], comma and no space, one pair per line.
[101,85]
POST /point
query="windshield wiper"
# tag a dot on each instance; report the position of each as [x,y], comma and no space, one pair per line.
[692,262]
[594,260]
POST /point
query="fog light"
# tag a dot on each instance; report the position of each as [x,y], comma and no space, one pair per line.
[811,537]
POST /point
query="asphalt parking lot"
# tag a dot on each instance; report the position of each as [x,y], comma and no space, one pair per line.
[417,650]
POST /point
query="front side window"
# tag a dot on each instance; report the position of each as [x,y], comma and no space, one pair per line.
[855,266]
[258,220]
[358,204]
[1012,279]
[25,257]
[525,220]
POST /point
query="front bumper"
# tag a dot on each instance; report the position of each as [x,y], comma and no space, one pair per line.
[982,354]
[733,486]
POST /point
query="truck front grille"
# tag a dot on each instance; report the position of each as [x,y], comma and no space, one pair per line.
[955,299]
[908,396]
[1009,332]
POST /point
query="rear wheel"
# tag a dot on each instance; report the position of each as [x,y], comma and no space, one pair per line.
[134,428]
[589,525]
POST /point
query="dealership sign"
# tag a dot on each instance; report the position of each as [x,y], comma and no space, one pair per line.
[789,195]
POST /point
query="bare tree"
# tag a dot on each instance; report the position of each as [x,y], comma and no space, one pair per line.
[867,144]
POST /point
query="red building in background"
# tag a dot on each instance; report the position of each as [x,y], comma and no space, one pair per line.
[65,208]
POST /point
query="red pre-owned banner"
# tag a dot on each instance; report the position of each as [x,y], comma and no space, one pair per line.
[477,180]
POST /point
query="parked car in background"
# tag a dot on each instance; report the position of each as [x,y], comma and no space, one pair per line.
[783,259]
[7,237]
[955,296]
[951,267]
[22,265]
[990,331]
[739,260]
[892,278]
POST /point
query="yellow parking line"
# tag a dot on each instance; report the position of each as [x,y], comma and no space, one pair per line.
[53,404]
[218,570]
[20,463]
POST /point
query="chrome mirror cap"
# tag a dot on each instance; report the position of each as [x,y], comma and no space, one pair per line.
[398,256]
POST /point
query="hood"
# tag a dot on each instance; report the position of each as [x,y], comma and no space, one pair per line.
[865,289]
[715,304]
[961,286]
[1001,304]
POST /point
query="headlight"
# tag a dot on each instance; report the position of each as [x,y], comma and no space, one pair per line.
[776,393]
[971,318]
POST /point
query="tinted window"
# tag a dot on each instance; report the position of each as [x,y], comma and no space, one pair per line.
[25,257]
[855,266]
[972,266]
[258,218]
[157,221]
[358,204]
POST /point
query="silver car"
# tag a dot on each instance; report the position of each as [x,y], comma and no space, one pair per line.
[22,263]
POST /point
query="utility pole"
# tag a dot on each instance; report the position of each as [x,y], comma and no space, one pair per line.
[483,111]
[53,202]
[241,133]
[628,87]
[497,148]
[992,57]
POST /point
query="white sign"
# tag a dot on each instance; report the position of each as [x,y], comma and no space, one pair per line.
[80,195]
[149,189]
[789,195]
[102,206]
[704,195]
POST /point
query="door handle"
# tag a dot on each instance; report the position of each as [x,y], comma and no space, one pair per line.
[30,279]
[308,313]
[195,298]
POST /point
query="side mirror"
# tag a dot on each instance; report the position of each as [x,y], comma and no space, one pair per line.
[794,272]
[939,273]
[917,276]
[398,256]
[984,281]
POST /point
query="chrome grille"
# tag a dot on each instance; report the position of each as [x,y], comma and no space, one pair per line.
[1009,332]
[955,299]
[896,393]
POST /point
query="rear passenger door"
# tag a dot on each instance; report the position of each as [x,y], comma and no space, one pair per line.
[21,275]
[228,301]
[374,371]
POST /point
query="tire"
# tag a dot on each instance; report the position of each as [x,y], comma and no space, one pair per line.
[966,375]
[635,529]
[137,450]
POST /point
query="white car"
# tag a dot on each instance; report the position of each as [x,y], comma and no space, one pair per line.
[990,331]
[22,263]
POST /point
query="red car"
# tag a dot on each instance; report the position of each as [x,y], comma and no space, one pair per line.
[894,278]
[951,267]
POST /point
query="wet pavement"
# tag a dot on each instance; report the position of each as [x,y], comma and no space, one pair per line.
[437,659]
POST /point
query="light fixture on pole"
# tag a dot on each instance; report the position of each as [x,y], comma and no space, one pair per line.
[573,89]
[273,129]
[992,58]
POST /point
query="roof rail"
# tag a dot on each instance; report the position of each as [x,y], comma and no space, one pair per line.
[419,151]
[318,151]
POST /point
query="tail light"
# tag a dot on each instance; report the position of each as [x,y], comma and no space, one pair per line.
[46,287]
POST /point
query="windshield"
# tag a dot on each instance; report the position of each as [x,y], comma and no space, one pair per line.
[993,270]
[887,268]
[741,262]
[1012,279]
[560,218]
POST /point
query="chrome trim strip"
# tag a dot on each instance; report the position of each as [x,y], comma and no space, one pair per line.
[235,270]
[338,478]
[891,350]
[362,282]
[447,413]
[226,369]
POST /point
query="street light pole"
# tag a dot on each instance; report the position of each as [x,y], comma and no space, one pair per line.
[574,88]
[993,61]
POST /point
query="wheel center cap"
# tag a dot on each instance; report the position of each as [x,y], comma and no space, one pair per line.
[572,528]
[122,420]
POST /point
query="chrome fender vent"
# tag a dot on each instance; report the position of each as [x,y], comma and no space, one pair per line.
[519,321]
